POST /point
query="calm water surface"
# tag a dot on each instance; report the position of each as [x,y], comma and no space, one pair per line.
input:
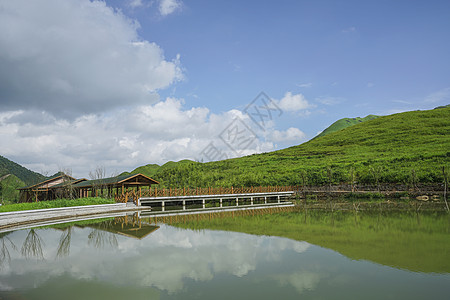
[109,260]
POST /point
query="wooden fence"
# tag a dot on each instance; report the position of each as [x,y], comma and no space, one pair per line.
[172,192]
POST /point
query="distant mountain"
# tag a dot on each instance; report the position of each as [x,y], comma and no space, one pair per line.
[8,188]
[27,176]
[344,123]
[151,170]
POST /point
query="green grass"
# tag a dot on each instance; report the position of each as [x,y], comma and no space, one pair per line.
[55,204]
[344,123]
[402,148]
[403,240]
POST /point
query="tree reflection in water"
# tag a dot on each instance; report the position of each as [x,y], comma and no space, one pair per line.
[64,243]
[99,238]
[4,250]
[32,246]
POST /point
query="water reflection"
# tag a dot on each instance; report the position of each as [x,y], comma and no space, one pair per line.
[64,243]
[32,246]
[160,261]
[6,244]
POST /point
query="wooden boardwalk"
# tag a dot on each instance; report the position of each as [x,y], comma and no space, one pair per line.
[216,202]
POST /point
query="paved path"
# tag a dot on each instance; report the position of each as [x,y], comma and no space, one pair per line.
[19,219]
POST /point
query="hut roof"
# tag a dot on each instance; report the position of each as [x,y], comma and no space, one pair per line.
[133,179]
[48,183]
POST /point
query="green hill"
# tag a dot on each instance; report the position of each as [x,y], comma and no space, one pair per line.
[8,188]
[151,170]
[344,123]
[400,148]
[28,177]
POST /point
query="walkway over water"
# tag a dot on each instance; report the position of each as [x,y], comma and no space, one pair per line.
[220,201]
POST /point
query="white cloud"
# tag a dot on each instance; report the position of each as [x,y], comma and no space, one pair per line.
[167,7]
[127,138]
[290,135]
[135,3]
[76,56]
[294,102]
[327,100]
[305,85]
[441,96]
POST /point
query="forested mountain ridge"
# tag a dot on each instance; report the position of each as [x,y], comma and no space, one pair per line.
[27,176]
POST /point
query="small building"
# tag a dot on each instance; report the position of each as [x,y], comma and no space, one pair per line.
[113,186]
[65,186]
[52,188]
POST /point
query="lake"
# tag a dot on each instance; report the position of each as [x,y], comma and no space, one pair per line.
[127,258]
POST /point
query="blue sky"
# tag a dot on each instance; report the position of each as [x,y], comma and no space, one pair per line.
[120,84]
[370,56]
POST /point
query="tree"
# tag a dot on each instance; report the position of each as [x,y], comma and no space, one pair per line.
[97,175]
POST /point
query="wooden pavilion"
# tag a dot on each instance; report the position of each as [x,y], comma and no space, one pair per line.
[113,185]
[65,186]
[52,188]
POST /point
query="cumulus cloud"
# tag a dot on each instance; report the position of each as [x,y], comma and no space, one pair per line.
[167,7]
[293,102]
[75,57]
[290,135]
[126,138]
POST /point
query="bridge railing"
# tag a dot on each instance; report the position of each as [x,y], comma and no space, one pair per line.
[172,192]
[158,192]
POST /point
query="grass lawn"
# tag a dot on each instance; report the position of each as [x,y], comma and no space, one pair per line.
[55,204]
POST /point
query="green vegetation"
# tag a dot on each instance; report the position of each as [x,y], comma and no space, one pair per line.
[407,148]
[55,204]
[344,123]
[8,188]
[407,240]
[27,176]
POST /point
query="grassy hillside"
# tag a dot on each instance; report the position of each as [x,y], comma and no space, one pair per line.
[402,148]
[344,123]
[152,169]
[9,167]
[8,188]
